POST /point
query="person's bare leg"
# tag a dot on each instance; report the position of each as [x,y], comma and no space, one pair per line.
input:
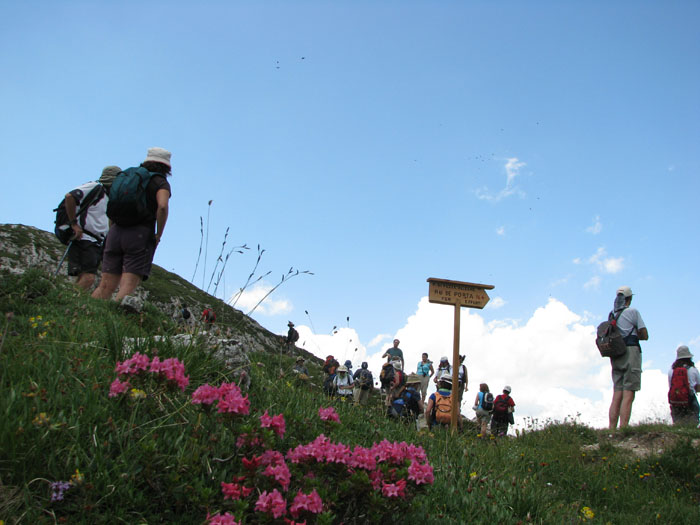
[85,280]
[108,284]
[127,285]
[626,407]
[614,413]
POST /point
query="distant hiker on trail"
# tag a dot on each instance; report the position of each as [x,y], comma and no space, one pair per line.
[683,385]
[425,372]
[138,209]
[209,316]
[185,316]
[330,366]
[394,353]
[444,369]
[483,405]
[300,369]
[463,378]
[408,404]
[392,383]
[503,407]
[85,210]
[343,383]
[348,365]
[292,337]
[626,369]
[439,409]
[364,384]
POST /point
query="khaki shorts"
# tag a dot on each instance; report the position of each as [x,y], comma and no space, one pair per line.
[627,370]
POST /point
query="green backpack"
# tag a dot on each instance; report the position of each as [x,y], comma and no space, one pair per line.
[127,204]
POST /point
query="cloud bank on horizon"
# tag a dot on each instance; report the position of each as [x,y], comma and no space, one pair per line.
[550,361]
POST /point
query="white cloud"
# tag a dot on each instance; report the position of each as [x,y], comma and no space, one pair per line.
[496,303]
[550,361]
[500,230]
[593,283]
[512,168]
[270,306]
[378,339]
[596,227]
[606,264]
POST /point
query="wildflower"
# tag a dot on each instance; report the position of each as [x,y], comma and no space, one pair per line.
[309,502]
[473,475]
[393,490]
[118,387]
[587,513]
[328,414]
[271,503]
[235,491]
[41,419]
[276,423]
[77,478]
[280,473]
[234,403]
[58,488]
[421,474]
[136,363]
[205,395]
[222,519]
[137,394]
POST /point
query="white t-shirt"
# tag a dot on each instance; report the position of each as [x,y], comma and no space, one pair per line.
[630,322]
[693,377]
[96,220]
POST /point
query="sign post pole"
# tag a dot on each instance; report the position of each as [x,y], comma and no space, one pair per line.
[457,293]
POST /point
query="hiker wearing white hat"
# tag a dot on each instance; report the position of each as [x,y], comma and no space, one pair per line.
[138,211]
[627,368]
[683,385]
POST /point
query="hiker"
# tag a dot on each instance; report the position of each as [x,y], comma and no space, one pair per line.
[343,383]
[683,384]
[425,371]
[394,353]
[348,365]
[208,316]
[86,211]
[137,229]
[292,337]
[439,409]
[626,369]
[185,316]
[364,384]
[300,368]
[329,368]
[483,405]
[392,383]
[463,378]
[408,404]
[502,415]
[444,369]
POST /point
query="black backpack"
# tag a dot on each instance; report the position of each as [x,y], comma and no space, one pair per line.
[127,204]
[62,230]
[293,336]
[487,401]
[364,379]
[386,376]
[186,313]
[609,339]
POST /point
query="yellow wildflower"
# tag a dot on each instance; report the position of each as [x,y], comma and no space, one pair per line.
[137,393]
[41,419]
[587,513]
[77,478]
[473,475]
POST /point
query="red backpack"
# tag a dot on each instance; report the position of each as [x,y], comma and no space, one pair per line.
[679,393]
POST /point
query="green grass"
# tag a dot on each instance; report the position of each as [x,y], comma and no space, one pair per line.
[161,459]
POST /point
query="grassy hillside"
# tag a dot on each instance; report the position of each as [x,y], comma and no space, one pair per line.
[151,455]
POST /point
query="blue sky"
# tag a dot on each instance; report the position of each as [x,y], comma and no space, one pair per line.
[546,148]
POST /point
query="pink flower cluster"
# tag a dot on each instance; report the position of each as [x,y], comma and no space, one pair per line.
[306,502]
[328,414]
[276,423]
[222,519]
[272,503]
[171,368]
[229,397]
[235,490]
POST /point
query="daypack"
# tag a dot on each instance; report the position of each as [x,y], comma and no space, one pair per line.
[406,405]
[364,379]
[679,393]
[487,401]
[293,336]
[186,313]
[609,339]
[209,316]
[127,204]
[443,408]
[500,405]
[386,376]
[62,230]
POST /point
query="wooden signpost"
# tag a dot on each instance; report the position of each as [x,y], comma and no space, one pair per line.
[459,294]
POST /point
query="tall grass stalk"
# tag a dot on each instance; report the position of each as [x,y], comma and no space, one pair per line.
[285,277]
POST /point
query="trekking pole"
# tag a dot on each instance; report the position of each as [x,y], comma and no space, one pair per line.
[60,263]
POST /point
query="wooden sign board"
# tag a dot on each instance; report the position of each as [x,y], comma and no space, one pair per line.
[459,293]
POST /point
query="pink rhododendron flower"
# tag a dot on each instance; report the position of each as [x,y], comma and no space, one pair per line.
[272,457]
[276,423]
[280,473]
[328,414]
[133,365]
[205,395]
[309,502]
[248,439]
[222,519]
[118,387]
[235,491]
[234,403]
[394,490]
[172,368]
[375,478]
[272,503]
[252,463]
[421,474]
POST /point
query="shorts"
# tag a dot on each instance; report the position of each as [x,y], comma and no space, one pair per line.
[84,257]
[129,250]
[627,370]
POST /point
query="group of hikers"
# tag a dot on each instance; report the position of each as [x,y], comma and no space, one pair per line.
[626,365]
[117,221]
[404,394]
